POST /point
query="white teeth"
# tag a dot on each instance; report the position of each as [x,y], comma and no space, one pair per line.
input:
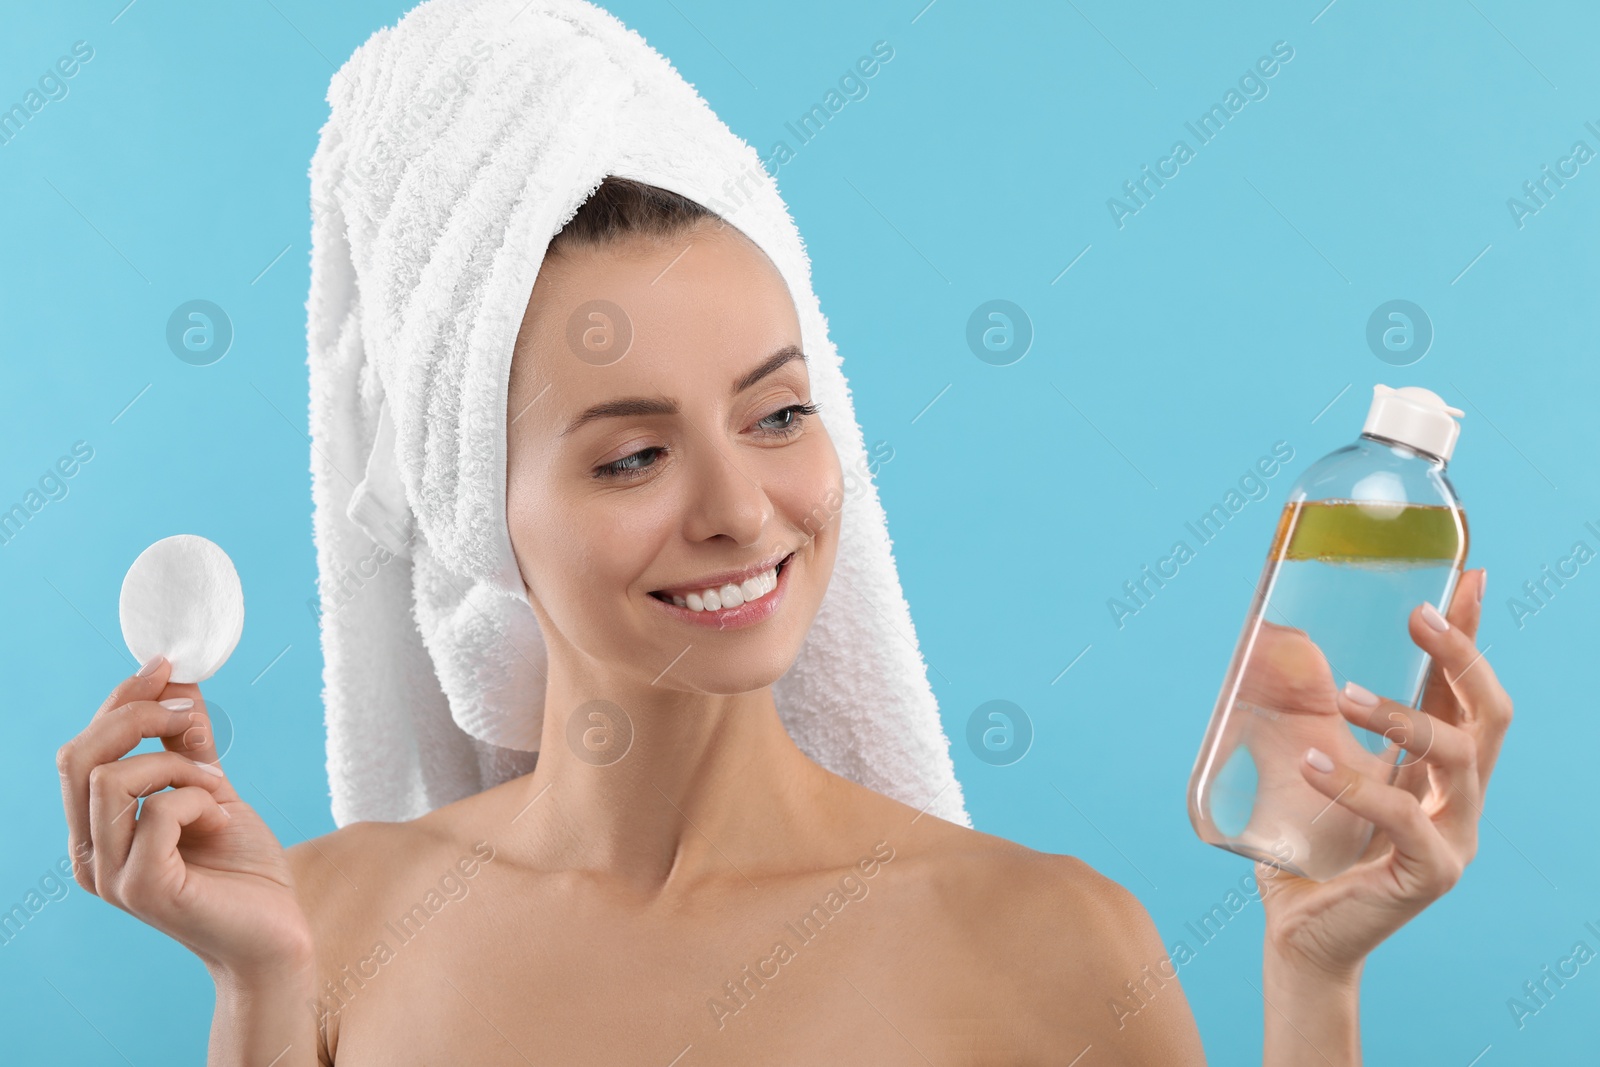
[730,595]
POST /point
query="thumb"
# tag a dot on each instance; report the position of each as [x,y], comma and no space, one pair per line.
[198,740]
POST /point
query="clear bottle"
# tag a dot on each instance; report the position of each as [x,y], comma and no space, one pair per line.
[1369,531]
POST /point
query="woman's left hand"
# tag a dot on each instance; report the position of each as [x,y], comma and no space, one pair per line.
[1426,823]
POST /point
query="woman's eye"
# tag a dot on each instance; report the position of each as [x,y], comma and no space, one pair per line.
[625,467]
[793,416]
[785,422]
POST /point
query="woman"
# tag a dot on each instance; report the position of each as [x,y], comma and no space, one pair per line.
[629,910]
[676,880]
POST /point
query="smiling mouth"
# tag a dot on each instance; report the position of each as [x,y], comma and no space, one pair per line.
[715,598]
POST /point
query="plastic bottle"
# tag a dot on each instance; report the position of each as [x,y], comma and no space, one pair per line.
[1369,531]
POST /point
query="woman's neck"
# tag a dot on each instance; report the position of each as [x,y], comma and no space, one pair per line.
[661,789]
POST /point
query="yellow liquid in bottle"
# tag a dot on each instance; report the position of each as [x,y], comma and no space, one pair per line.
[1348,531]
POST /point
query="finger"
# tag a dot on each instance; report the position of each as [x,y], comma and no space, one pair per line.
[109,737]
[1450,752]
[114,792]
[143,684]
[1425,862]
[1357,704]
[1466,612]
[1466,605]
[1481,703]
[153,877]
[198,741]
[75,759]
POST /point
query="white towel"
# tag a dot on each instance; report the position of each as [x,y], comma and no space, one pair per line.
[459,141]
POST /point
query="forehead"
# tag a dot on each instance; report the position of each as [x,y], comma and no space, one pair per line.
[699,308]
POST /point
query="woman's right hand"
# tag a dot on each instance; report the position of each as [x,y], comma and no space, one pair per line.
[196,862]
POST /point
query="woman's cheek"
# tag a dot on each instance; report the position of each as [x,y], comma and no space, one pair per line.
[819,490]
[534,521]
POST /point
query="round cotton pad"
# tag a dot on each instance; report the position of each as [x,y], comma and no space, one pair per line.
[181,599]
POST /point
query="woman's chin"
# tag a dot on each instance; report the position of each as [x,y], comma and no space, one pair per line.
[712,660]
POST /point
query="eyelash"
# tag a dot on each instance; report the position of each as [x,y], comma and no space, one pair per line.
[616,471]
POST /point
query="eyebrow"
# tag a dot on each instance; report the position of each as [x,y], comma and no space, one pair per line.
[630,406]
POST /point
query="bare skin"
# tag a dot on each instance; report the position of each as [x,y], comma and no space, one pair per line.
[597,909]
[961,948]
[624,896]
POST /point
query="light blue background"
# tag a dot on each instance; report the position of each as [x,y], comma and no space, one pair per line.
[1228,314]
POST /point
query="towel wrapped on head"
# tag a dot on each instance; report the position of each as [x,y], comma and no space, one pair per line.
[459,142]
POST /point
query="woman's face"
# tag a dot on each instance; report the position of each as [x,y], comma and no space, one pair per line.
[670,465]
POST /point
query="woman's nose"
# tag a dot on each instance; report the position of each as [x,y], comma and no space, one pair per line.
[727,497]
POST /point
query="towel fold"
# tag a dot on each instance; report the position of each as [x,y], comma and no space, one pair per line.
[458,143]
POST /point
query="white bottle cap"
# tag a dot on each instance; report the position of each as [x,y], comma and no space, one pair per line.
[1414,416]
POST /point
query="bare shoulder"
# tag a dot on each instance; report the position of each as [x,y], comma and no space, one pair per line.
[1030,893]
[353,881]
[329,871]
[341,879]
[344,877]
[1074,951]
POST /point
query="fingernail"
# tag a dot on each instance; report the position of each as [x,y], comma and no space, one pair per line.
[1365,697]
[209,768]
[1483,583]
[1431,616]
[177,704]
[1319,760]
[149,666]
[226,814]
